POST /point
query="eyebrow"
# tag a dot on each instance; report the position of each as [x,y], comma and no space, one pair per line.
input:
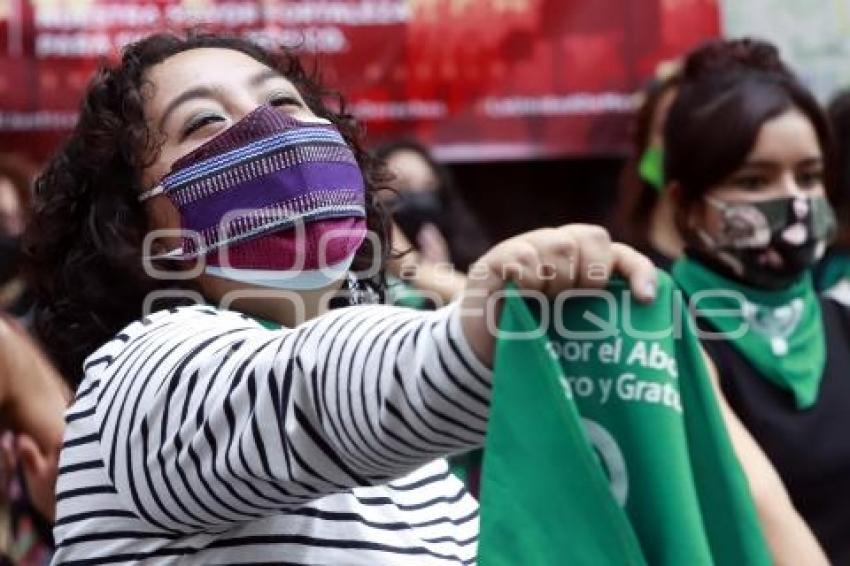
[766,164]
[202,92]
[191,94]
[263,76]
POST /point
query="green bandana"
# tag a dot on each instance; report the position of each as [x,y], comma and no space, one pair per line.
[785,341]
[403,294]
[831,270]
[651,167]
[610,449]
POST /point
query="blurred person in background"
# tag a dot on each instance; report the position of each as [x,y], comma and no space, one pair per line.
[438,237]
[832,274]
[428,207]
[16,176]
[32,403]
[32,397]
[645,219]
[748,154]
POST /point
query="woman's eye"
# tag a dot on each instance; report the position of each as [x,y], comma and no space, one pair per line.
[199,123]
[285,100]
[810,179]
[750,182]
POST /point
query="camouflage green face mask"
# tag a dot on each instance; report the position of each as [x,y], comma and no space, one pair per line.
[771,243]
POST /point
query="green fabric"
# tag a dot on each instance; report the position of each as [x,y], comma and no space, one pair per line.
[266,323]
[831,270]
[784,338]
[402,294]
[465,466]
[658,446]
[651,167]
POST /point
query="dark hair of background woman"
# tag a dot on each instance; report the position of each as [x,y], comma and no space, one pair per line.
[465,236]
[637,197]
[839,117]
[85,239]
[729,90]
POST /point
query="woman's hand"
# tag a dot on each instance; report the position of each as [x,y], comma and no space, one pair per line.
[437,280]
[549,260]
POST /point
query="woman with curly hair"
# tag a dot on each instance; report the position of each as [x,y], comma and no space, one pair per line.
[258,426]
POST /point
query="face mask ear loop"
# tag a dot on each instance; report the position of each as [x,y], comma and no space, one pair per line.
[707,239]
[716,203]
[150,193]
[176,253]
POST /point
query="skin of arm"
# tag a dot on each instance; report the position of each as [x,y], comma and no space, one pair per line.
[33,399]
[789,537]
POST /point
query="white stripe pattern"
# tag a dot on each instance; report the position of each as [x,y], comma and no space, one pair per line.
[254,149]
[199,437]
[242,173]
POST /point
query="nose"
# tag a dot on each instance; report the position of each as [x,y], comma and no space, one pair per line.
[241,105]
[245,104]
[790,186]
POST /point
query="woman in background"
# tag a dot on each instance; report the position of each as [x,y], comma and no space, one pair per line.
[33,399]
[32,396]
[16,176]
[436,235]
[748,154]
[428,208]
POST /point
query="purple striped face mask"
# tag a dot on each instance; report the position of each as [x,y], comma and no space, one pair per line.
[270,201]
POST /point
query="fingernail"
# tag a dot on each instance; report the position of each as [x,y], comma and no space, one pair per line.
[649,290]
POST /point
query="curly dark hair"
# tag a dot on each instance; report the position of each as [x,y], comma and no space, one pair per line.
[84,242]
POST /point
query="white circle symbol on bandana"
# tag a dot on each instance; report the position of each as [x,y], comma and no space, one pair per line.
[610,458]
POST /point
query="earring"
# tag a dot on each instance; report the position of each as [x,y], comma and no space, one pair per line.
[360,293]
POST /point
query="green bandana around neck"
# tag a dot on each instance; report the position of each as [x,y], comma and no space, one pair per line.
[831,270]
[651,167]
[609,449]
[785,339]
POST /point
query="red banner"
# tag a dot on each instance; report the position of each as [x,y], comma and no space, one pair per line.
[476,79]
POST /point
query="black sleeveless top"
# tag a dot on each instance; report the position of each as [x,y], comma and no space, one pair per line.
[809,448]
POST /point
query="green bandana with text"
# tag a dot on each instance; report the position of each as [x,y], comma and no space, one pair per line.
[609,449]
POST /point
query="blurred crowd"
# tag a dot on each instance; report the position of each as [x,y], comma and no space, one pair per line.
[738,179]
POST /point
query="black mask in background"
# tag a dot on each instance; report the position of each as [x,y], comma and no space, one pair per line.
[413,209]
[10,257]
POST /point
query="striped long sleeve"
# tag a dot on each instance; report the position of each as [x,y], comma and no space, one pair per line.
[204,421]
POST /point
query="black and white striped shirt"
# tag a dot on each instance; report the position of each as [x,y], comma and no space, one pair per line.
[199,437]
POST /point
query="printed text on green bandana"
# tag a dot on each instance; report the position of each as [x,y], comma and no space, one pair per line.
[644,357]
[609,451]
